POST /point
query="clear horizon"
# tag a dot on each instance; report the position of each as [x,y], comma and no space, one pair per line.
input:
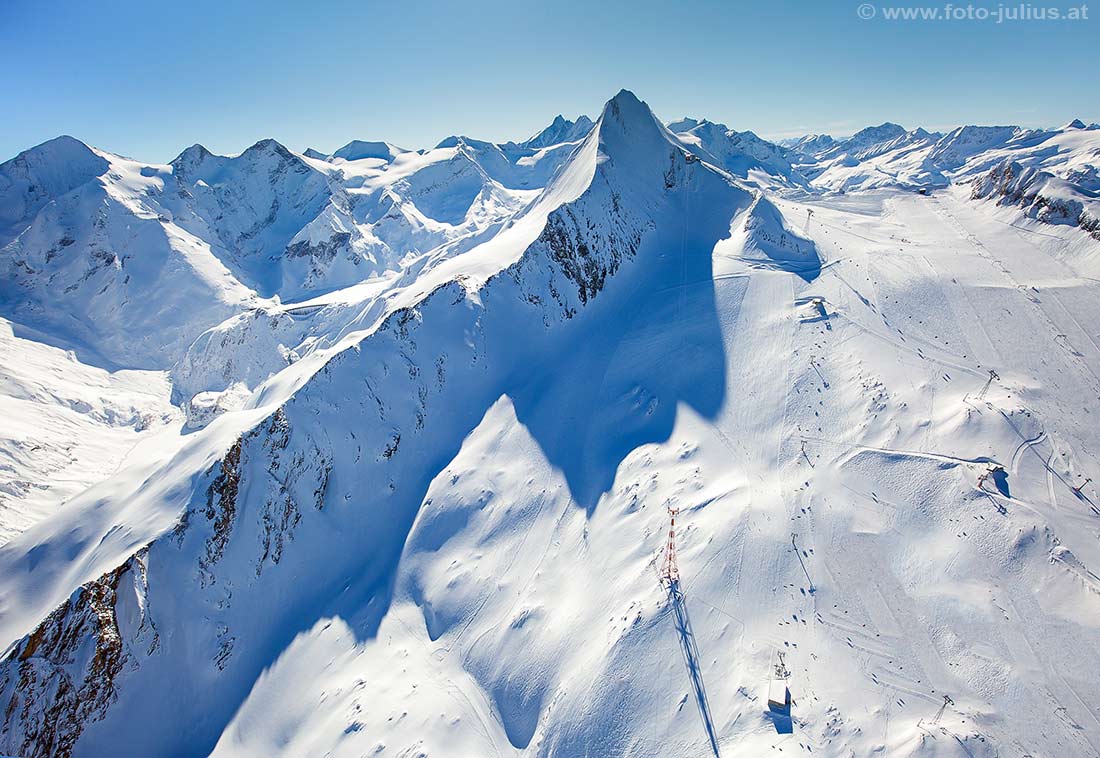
[149,81]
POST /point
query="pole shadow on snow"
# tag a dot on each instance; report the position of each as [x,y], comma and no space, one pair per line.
[690,650]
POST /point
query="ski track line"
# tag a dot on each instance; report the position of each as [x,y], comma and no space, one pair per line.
[1047,463]
[986,353]
[1051,668]
[444,651]
[1016,640]
[755,408]
[990,356]
[952,304]
[448,683]
[1055,329]
[550,540]
[1037,439]
[917,351]
[919,648]
[906,453]
[1053,291]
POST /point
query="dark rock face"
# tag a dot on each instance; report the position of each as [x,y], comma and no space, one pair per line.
[68,672]
[1014,185]
[323,252]
[586,257]
[221,508]
[65,674]
[289,480]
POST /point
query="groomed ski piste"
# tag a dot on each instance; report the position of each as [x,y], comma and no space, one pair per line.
[428,513]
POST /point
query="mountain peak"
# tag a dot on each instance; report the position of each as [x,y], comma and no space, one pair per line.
[48,170]
[463,142]
[61,148]
[64,142]
[699,126]
[189,161]
[193,153]
[268,146]
[632,144]
[625,102]
[873,135]
[886,128]
[362,149]
[626,118]
[1075,124]
[560,130]
[685,124]
[813,144]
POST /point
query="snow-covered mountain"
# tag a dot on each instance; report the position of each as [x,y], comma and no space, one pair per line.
[560,130]
[1042,195]
[358,150]
[746,156]
[888,156]
[257,203]
[92,253]
[810,144]
[372,452]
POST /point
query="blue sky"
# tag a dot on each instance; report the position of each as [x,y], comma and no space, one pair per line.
[147,79]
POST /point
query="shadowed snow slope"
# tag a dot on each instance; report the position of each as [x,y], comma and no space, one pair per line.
[359,149]
[253,204]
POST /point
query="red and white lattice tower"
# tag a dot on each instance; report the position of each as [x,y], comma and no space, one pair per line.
[670,571]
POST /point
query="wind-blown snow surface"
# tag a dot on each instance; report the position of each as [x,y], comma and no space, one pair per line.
[421,515]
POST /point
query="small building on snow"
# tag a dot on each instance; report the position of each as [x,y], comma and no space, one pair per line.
[779,697]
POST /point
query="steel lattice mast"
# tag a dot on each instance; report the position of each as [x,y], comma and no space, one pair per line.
[670,572]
